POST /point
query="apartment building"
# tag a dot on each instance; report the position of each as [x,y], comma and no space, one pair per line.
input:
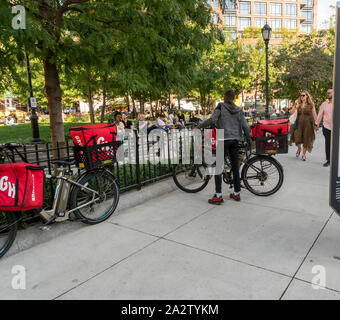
[294,15]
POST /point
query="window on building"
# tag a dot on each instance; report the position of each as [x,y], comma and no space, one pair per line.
[244,7]
[310,3]
[244,23]
[230,34]
[276,24]
[305,28]
[216,18]
[291,24]
[260,22]
[276,9]
[291,10]
[216,3]
[229,20]
[261,8]
[229,4]
[308,14]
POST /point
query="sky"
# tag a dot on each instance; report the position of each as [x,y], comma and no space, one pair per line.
[324,11]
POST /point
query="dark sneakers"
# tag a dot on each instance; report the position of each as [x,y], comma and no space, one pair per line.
[326,164]
[215,200]
[235,197]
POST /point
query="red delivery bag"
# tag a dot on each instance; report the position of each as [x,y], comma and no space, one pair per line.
[21,186]
[271,127]
[92,134]
[210,135]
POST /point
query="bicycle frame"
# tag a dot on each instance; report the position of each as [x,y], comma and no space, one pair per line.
[59,210]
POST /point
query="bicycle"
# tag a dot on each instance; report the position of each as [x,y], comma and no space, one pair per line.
[92,197]
[256,174]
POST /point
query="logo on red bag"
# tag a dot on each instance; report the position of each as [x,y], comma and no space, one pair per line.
[6,185]
[79,141]
[33,188]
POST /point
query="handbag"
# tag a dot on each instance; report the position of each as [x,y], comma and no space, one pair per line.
[292,120]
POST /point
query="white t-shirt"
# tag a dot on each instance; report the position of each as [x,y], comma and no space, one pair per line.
[160,122]
[120,131]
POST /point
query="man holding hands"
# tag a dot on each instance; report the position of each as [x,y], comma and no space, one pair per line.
[325,114]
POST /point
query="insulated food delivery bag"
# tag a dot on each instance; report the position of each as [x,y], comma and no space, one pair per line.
[92,134]
[21,186]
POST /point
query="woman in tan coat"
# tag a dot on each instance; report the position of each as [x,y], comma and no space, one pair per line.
[304,133]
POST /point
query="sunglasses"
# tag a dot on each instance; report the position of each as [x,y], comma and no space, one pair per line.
[303,95]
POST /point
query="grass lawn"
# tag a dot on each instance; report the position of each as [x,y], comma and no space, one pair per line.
[22,133]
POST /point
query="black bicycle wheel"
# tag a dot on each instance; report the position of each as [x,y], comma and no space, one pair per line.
[8,230]
[190,178]
[105,203]
[262,175]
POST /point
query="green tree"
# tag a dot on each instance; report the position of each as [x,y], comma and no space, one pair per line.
[147,42]
[306,64]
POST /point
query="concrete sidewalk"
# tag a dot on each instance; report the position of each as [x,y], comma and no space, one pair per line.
[179,247]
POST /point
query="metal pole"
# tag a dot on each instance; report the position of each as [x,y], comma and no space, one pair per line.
[334,186]
[267,82]
[34,117]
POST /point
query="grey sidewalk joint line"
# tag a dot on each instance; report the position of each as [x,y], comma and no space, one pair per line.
[102,271]
[306,281]
[273,207]
[162,236]
[304,259]
[229,258]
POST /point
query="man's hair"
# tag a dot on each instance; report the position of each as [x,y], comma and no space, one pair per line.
[229,96]
[117,113]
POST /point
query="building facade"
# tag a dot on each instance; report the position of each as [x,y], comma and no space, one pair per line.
[291,15]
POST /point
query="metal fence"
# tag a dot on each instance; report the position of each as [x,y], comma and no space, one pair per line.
[143,161]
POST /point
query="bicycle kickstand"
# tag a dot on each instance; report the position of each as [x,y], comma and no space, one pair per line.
[49,221]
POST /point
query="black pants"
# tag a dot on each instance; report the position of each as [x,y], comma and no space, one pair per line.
[231,148]
[327,134]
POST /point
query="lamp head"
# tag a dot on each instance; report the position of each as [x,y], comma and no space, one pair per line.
[266,32]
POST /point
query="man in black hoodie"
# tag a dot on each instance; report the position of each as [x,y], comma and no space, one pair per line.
[230,118]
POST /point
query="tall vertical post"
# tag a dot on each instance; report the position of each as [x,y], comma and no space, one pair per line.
[266,34]
[34,117]
[267,81]
[334,186]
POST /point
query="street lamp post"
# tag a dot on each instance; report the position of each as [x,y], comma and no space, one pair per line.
[266,34]
[34,117]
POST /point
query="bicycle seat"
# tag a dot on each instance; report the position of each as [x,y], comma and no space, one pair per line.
[63,162]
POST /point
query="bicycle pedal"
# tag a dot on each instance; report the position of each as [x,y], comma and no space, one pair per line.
[45,228]
[73,217]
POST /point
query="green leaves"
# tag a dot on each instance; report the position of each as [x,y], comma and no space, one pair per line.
[306,64]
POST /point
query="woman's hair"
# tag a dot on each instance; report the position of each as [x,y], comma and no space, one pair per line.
[309,98]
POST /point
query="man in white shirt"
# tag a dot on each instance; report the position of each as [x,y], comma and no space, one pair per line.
[325,114]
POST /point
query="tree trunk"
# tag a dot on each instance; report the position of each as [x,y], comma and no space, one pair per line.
[53,92]
[128,103]
[90,101]
[134,111]
[103,106]
[203,105]
[255,96]
[151,105]
[179,102]
[141,103]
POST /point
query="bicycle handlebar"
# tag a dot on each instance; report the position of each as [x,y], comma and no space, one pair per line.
[10,146]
